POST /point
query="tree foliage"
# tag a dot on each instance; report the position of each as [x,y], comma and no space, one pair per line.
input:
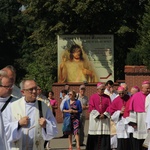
[8,47]
[32,31]
[143,45]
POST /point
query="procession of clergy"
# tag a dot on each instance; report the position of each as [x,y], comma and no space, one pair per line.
[118,119]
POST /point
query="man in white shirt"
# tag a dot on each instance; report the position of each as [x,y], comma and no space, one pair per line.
[109,90]
[28,122]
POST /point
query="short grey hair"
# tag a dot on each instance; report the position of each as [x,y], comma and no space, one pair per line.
[10,67]
[122,84]
[21,85]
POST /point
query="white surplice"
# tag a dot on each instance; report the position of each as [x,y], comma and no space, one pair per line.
[31,137]
[148,122]
[139,119]
[3,101]
[98,126]
[3,141]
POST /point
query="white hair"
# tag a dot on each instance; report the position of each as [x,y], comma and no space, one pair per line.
[21,85]
[122,84]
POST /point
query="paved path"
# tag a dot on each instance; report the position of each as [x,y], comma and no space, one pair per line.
[62,143]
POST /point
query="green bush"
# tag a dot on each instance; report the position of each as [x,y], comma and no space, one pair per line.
[134,58]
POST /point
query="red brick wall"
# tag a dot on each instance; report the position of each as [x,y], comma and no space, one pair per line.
[135,75]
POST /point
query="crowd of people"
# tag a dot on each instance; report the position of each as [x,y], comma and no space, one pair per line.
[118,118]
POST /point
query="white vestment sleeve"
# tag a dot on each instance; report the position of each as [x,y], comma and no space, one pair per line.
[116,116]
[95,113]
[11,127]
[148,118]
[3,141]
[147,102]
[147,108]
[51,126]
[132,117]
[107,114]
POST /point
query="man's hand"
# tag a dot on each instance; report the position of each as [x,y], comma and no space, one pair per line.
[24,121]
[42,122]
[122,110]
[102,116]
[134,126]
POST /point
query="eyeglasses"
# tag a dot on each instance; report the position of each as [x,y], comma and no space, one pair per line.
[69,94]
[31,89]
[7,87]
[120,93]
[82,89]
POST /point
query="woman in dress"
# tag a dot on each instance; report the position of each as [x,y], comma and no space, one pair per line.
[73,108]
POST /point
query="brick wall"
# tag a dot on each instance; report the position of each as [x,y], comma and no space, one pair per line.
[135,75]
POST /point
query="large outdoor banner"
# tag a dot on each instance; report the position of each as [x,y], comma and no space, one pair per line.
[85,58]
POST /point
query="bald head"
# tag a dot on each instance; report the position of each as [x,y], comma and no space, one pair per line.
[146,88]
[11,72]
[134,90]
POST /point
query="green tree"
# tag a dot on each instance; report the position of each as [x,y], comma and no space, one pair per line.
[34,31]
[44,68]
[143,45]
[8,9]
[134,58]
